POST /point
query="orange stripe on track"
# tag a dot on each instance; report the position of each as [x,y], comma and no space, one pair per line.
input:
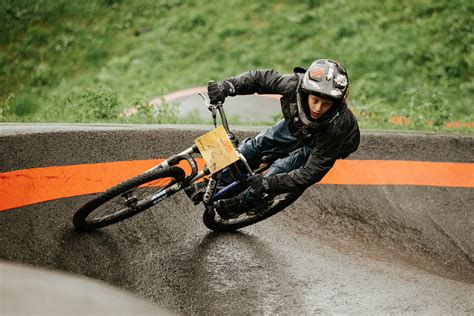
[29,186]
[399,172]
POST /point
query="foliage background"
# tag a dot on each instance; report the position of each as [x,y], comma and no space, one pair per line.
[89,61]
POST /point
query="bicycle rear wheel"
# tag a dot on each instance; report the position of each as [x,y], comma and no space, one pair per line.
[125,199]
[280,202]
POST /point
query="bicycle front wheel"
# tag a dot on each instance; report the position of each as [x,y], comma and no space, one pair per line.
[125,199]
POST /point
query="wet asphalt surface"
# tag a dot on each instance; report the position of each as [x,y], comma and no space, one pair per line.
[339,249]
[287,264]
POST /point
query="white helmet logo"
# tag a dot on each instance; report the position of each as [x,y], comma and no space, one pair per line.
[330,74]
[341,81]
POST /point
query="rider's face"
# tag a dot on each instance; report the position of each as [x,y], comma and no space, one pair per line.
[318,106]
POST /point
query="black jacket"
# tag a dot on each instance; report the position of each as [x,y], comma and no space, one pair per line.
[339,137]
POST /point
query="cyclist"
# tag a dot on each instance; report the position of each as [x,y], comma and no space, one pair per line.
[317,129]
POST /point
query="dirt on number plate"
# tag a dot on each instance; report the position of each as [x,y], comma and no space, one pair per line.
[216,149]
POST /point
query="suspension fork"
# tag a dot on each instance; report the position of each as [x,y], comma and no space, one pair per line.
[211,189]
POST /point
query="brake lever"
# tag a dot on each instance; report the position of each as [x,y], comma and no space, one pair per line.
[211,108]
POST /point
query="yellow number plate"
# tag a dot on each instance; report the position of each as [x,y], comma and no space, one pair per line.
[216,149]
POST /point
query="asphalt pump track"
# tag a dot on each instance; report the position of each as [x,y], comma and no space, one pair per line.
[352,248]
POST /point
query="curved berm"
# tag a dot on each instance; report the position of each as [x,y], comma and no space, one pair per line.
[388,231]
[32,291]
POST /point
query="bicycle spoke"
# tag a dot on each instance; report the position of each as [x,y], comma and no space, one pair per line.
[119,202]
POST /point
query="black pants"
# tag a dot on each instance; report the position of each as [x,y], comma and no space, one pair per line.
[276,139]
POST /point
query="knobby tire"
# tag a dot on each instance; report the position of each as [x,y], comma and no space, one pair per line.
[215,223]
[86,220]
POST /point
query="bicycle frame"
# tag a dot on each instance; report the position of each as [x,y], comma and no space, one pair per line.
[210,194]
[224,164]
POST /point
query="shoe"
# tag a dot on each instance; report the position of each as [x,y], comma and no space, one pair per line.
[196,191]
[231,208]
[260,207]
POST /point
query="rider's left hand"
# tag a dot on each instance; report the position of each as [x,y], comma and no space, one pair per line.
[218,91]
[262,184]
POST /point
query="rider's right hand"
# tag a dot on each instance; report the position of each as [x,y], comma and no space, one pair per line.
[218,91]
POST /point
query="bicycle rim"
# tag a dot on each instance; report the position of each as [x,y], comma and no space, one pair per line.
[214,222]
[125,199]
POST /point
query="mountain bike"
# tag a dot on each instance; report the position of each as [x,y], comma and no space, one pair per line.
[219,149]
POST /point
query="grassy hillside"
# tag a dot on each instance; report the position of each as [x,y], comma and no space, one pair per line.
[87,61]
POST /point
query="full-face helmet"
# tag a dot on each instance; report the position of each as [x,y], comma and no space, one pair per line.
[326,79]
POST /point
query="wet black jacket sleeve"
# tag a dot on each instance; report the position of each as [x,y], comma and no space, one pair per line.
[327,146]
[264,82]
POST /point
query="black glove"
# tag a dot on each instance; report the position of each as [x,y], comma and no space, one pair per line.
[262,184]
[218,91]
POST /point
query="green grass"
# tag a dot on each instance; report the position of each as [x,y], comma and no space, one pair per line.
[72,61]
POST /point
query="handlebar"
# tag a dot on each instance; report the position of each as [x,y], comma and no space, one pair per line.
[208,104]
[219,107]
